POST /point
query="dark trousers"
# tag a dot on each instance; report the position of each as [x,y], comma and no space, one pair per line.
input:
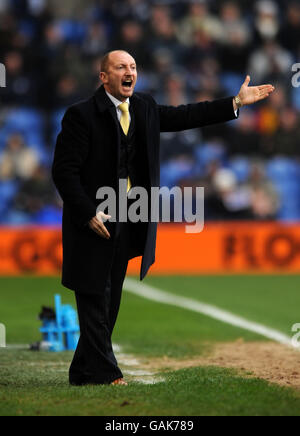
[94,360]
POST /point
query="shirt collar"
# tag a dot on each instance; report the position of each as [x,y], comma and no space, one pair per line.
[115,101]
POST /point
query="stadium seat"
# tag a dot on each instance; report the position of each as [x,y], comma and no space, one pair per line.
[241,168]
[289,195]
[27,27]
[24,120]
[174,171]
[296,98]
[7,192]
[56,120]
[72,31]
[15,218]
[281,168]
[205,154]
[232,82]
[48,216]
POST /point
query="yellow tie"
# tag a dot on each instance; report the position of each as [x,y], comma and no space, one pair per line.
[125,123]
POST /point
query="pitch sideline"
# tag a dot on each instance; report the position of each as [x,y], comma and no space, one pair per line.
[160,296]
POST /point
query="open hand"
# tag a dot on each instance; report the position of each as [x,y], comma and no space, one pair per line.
[253,94]
[96,224]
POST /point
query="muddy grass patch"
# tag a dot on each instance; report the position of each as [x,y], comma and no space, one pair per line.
[270,361]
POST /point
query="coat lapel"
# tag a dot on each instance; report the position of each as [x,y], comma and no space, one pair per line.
[105,104]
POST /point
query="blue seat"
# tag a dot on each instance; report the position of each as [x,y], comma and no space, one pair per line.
[289,214]
[210,152]
[15,218]
[32,138]
[24,119]
[72,30]
[174,171]
[241,168]
[56,120]
[8,190]
[232,82]
[283,169]
[27,27]
[5,132]
[48,216]
[296,98]
[289,196]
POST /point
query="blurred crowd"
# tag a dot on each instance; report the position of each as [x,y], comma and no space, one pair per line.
[187,51]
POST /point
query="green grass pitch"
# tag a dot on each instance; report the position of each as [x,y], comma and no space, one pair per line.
[37,384]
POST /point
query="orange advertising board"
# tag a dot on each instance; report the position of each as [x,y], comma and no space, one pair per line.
[220,248]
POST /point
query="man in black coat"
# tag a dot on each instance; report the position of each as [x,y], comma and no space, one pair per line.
[115,135]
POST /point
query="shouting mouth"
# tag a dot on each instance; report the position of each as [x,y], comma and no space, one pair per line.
[127,84]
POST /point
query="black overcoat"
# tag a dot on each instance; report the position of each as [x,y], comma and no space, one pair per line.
[87,158]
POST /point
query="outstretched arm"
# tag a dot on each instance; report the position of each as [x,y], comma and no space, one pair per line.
[192,116]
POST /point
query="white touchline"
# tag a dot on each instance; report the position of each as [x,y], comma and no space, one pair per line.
[160,296]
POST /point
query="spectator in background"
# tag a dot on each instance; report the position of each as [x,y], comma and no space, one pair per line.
[8,28]
[246,140]
[236,38]
[268,120]
[36,193]
[207,43]
[209,77]
[174,90]
[21,86]
[162,33]
[177,143]
[52,41]
[267,22]
[202,47]
[228,200]
[270,61]
[290,33]
[67,91]
[137,9]
[131,39]
[199,19]
[285,140]
[264,198]
[96,40]
[17,161]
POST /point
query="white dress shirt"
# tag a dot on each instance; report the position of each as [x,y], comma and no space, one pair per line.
[117,103]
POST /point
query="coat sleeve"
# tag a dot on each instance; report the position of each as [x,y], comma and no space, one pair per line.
[71,151]
[192,116]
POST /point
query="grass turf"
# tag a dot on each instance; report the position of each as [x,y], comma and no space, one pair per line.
[31,385]
[36,384]
[270,300]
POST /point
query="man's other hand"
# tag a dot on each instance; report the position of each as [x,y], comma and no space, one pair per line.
[253,94]
[96,224]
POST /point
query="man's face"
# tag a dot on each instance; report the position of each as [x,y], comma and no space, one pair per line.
[121,76]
